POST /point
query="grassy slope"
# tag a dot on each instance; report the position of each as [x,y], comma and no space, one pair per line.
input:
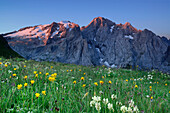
[66,97]
[5,50]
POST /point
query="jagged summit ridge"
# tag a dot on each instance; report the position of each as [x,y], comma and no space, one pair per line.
[101,42]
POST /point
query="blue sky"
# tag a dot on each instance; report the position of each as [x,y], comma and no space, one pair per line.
[151,14]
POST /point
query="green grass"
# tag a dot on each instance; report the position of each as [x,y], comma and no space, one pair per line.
[65,97]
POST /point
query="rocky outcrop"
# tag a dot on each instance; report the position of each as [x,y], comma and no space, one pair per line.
[102,42]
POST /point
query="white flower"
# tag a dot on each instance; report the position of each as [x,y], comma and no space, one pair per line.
[129,110]
[97,106]
[92,103]
[136,109]
[113,96]
[147,96]
[9,71]
[118,103]
[96,98]
[123,108]
[110,106]
[105,101]
[101,92]
[131,103]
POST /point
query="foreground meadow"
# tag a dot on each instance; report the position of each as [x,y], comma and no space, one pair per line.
[29,86]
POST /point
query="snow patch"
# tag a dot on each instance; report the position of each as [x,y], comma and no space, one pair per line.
[111,29]
[98,50]
[128,36]
[54,33]
[65,23]
[106,63]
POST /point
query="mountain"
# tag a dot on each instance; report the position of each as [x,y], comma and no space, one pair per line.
[5,50]
[102,42]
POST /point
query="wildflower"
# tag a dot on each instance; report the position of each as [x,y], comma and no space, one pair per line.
[165,84]
[67,70]
[113,96]
[96,98]
[71,70]
[102,76]
[85,95]
[169,91]
[84,85]
[14,75]
[51,79]
[74,82]
[6,65]
[19,86]
[151,97]
[129,110]
[36,75]
[79,69]
[51,67]
[37,95]
[44,92]
[0,63]
[118,103]
[110,82]
[26,84]
[84,73]
[25,66]
[136,109]
[101,82]
[123,109]
[15,69]
[57,109]
[35,72]
[32,82]
[126,80]
[110,106]
[96,83]
[131,103]
[25,77]
[157,82]
[136,86]
[97,106]
[55,74]
[150,87]
[101,92]
[40,72]
[92,103]
[10,77]
[147,96]
[105,101]
[47,74]
[82,78]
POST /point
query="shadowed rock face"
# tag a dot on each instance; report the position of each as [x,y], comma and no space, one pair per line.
[102,42]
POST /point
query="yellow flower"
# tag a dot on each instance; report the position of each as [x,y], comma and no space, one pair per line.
[25,66]
[19,86]
[47,74]
[157,82]
[25,77]
[52,75]
[96,83]
[84,73]
[150,87]
[79,69]
[51,67]
[44,92]
[36,75]
[14,75]
[55,74]
[37,95]
[151,97]
[26,84]
[101,82]
[126,80]
[6,65]
[102,76]
[82,78]
[136,86]
[32,81]
[169,91]
[10,77]
[67,70]
[15,69]
[165,84]
[0,63]
[40,72]
[74,82]
[71,70]
[109,75]
[84,85]
[110,82]
[51,79]
[35,72]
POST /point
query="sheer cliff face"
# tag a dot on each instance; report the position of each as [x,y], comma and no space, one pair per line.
[102,42]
